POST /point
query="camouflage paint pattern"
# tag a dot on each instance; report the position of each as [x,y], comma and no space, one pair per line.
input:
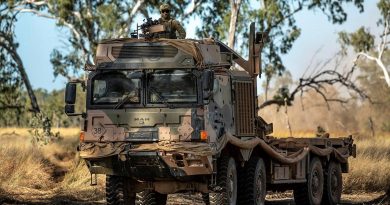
[219,112]
[149,124]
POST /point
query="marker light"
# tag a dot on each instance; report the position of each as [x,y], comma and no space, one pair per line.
[82,135]
[203,135]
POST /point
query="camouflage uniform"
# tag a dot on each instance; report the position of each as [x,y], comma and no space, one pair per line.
[171,25]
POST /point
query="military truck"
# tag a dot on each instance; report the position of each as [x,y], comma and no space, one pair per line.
[165,116]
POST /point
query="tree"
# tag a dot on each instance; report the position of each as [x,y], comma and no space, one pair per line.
[10,61]
[276,19]
[363,41]
[87,22]
[90,21]
[375,88]
[324,77]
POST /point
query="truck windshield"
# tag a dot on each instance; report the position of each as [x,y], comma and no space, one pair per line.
[116,87]
[171,86]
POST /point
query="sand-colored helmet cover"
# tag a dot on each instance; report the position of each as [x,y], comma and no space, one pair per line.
[165,6]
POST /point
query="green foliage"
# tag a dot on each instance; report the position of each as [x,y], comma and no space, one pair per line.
[87,22]
[40,130]
[283,94]
[52,106]
[384,8]
[67,64]
[65,8]
[214,17]
[11,100]
[334,9]
[90,21]
[10,3]
[178,7]
[275,19]
[361,40]
[106,15]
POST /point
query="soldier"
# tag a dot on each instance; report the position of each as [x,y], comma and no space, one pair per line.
[321,132]
[171,25]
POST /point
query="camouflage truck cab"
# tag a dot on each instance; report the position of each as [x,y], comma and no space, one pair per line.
[166,115]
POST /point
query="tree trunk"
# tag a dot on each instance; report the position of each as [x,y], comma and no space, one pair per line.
[23,74]
[384,70]
[235,8]
[372,127]
[267,81]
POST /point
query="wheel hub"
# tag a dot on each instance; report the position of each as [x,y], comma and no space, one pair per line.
[315,184]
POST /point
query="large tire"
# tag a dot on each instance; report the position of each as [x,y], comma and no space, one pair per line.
[226,181]
[206,198]
[311,192]
[333,184]
[252,182]
[118,192]
[151,198]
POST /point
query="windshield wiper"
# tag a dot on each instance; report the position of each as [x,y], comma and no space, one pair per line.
[160,97]
[126,99]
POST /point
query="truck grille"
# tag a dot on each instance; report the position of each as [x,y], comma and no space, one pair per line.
[244,108]
[143,51]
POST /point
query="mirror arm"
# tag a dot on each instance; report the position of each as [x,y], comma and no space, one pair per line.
[83,114]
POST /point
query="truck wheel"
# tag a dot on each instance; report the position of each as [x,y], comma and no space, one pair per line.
[118,192]
[333,184]
[252,182]
[312,191]
[151,198]
[226,181]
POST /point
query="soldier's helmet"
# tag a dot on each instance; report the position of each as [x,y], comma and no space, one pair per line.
[165,6]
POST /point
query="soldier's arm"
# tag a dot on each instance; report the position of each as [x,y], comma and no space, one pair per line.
[182,33]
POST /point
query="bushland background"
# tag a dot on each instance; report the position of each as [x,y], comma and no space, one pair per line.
[347,92]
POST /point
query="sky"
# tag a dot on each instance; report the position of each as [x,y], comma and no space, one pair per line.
[38,36]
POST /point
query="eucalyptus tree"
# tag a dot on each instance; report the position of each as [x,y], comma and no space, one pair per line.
[277,22]
[12,70]
[86,22]
[363,41]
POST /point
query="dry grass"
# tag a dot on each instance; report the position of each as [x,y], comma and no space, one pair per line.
[37,173]
[55,172]
[370,170]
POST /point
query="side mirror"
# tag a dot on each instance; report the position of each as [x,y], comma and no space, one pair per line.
[70,99]
[69,109]
[70,93]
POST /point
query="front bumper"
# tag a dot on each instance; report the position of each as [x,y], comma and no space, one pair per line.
[125,159]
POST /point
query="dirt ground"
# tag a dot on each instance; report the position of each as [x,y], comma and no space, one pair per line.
[182,199]
[62,181]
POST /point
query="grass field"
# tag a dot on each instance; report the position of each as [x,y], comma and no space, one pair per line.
[51,172]
[55,172]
